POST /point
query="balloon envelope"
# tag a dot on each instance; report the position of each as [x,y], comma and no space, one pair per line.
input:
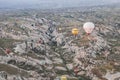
[75,31]
[59,29]
[88,27]
[63,78]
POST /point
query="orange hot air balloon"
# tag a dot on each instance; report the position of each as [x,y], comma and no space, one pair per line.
[88,27]
[63,78]
[75,31]
[59,29]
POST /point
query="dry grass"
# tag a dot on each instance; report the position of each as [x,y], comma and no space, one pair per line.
[12,70]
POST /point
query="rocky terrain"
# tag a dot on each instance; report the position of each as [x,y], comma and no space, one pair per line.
[42,47]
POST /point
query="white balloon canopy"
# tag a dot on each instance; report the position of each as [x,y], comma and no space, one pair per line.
[88,27]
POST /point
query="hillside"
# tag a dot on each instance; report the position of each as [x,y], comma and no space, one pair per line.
[42,47]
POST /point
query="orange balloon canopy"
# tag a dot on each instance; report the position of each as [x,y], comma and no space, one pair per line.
[63,78]
[59,29]
[75,31]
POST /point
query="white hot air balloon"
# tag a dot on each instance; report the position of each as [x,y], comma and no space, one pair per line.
[88,27]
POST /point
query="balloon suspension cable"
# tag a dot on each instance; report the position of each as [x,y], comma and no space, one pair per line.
[75,36]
